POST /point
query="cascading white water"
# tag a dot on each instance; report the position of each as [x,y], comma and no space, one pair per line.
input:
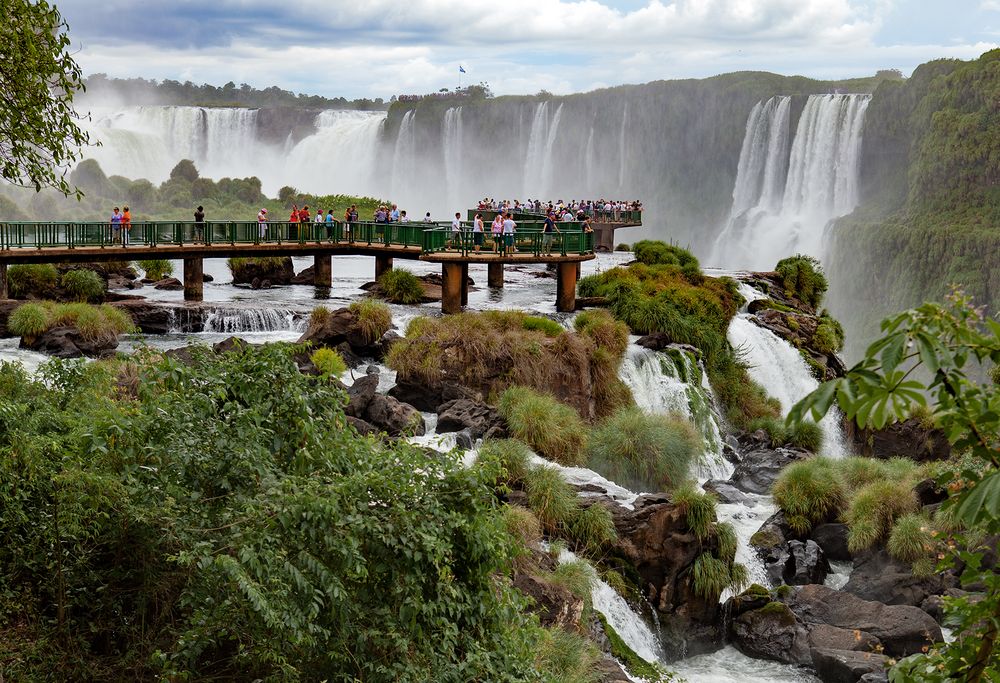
[403,153]
[821,181]
[538,158]
[662,383]
[451,138]
[778,367]
[235,320]
[340,158]
[621,150]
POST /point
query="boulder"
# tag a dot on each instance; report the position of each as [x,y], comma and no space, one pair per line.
[832,538]
[169,283]
[846,666]
[430,398]
[205,277]
[877,576]
[771,632]
[836,638]
[773,533]
[555,605]
[806,564]
[902,630]
[306,277]
[155,318]
[341,326]
[382,412]
[278,271]
[906,439]
[480,419]
[759,468]
[727,493]
[360,426]
[67,342]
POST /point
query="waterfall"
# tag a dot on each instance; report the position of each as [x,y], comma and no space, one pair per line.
[590,159]
[340,158]
[538,158]
[403,153]
[820,179]
[235,320]
[452,147]
[621,150]
[673,382]
[779,367]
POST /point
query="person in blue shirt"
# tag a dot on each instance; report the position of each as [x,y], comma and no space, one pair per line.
[116,225]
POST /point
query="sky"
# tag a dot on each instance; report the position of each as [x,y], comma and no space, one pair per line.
[381,48]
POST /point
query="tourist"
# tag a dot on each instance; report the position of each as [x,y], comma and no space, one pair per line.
[548,232]
[509,228]
[394,214]
[427,217]
[116,226]
[403,218]
[329,224]
[477,231]
[262,223]
[497,229]
[456,231]
[126,226]
[304,216]
[293,221]
[199,224]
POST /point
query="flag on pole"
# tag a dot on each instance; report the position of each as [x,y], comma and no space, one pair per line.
[461,69]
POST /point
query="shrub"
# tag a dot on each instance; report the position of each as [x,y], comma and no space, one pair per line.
[401,286]
[873,511]
[566,657]
[374,318]
[802,277]
[805,434]
[829,336]
[83,285]
[511,455]
[608,334]
[38,278]
[522,524]
[911,538]
[550,327]
[743,399]
[592,528]
[550,497]
[29,320]
[809,492]
[553,429]
[622,246]
[654,252]
[698,508]
[328,362]
[644,452]
[577,577]
[156,269]
[710,576]
[726,537]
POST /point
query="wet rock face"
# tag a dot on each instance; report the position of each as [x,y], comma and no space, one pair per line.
[275,271]
[382,412]
[848,666]
[760,467]
[479,419]
[340,330]
[907,439]
[169,284]
[67,342]
[877,576]
[555,605]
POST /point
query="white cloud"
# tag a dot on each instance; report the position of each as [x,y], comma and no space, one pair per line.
[990,5]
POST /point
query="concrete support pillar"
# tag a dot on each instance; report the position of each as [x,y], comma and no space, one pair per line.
[566,288]
[495,276]
[3,280]
[322,275]
[451,287]
[194,273]
[465,284]
[382,265]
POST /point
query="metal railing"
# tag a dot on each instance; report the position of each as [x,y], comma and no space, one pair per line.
[529,238]
[597,215]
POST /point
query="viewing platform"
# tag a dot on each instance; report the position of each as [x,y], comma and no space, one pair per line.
[603,222]
[24,242]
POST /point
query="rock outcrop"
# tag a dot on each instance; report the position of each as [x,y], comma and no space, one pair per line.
[759,468]
[906,439]
[277,271]
[480,419]
[341,330]
[68,342]
[382,412]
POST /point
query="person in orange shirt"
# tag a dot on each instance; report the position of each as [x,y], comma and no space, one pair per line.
[293,220]
[126,225]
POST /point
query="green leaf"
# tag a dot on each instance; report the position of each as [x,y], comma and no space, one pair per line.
[982,503]
[892,354]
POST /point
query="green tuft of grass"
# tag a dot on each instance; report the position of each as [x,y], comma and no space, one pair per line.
[565,657]
[608,334]
[710,576]
[93,322]
[618,583]
[911,538]
[511,456]
[578,577]
[645,452]
[374,318]
[522,524]
[553,429]
[401,286]
[592,528]
[328,362]
[726,537]
[829,335]
[551,498]
[809,492]
[655,252]
[698,508]
[83,285]
[802,277]
[805,434]
[30,320]
[874,509]
[36,278]
[548,327]
[156,269]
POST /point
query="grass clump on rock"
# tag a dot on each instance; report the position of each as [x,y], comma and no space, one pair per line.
[810,492]
[874,510]
[642,451]
[83,285]
[156,269]
[509,455]
[551,498]
[374,318]
[805,434]
[698,508]
[94,323]
[522,524]
[328,362]
[401,287]
[552,429]
[566,657]
[39,279]
[802,277]
[593,528]
[536,322]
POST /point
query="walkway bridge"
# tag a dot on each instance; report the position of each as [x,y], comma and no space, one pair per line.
[603,222]
[24,242]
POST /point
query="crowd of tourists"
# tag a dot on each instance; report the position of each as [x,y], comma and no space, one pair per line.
[599,210]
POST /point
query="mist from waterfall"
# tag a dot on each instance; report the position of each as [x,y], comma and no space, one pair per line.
[820,180]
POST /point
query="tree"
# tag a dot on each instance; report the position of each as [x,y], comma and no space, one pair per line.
[39,133]
[952,344]
[184,170]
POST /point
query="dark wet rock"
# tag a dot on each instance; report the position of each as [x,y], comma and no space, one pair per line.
[555,605]
[480,419]
[383,412]
[464,440]
[727,493]
[759,468]
[846,666]
[169,283]
[836,638]
[7,306]
[832,538]
[773,533]
[306,277]
[903,630]
[277,271]
[67,342]
[771,632]
[231,344]
[431,398]
[341,326]
[906,439]
[806,564]
[583,302]
[929,493]
[360,426]
[205,277]
[156,318]
[877,576]
[875,677]
[122,282]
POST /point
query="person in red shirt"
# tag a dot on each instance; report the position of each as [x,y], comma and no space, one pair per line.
[292,220]
[304,220]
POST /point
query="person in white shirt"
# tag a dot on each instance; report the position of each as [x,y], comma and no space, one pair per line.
[262,223]
[509,228]
[456,231]
[477,231]
[394,214]
[403,218]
